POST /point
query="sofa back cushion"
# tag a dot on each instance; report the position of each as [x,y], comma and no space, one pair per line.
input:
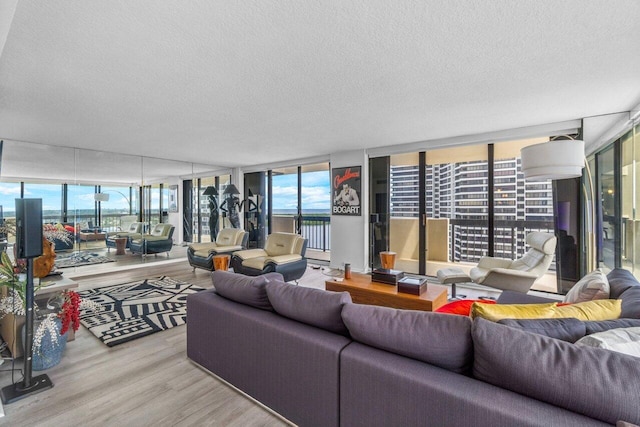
[595,326]
[624,286]
[443,340]
[282,243]
[162,230]
[570,330]
[135,227]
[230,237]
[315,307]
[591,381]
[619,281]
[243,289]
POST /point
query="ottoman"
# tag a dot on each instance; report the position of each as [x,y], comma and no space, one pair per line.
[452,276]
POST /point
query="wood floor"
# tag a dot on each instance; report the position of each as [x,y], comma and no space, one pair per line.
[148,381]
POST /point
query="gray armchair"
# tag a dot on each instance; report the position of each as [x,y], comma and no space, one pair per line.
[159,240]
[283,253]
[520,274]
[133,232]
[229,240]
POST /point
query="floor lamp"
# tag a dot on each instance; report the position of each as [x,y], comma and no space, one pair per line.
[562,159]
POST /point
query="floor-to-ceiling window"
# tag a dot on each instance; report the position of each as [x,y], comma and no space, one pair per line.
[284,200]
[51,195]
[118,211]
[607,212]
[9,191]
[315,191]
[206,201]
[476,203]
[294,199]
[457,205]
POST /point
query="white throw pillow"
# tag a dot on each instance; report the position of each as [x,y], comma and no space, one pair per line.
[622,340]
[591,287]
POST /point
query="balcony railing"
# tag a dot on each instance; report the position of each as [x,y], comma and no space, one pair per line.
[316,229]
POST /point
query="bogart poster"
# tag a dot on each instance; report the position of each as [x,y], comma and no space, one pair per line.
[346,184]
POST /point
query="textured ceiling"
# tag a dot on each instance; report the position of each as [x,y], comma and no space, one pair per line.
[235,83]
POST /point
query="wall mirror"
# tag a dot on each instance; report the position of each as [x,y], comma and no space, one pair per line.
[91,193]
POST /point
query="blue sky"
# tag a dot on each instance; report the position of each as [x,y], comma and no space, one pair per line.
[316,192]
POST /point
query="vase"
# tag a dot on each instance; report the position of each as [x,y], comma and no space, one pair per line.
[50,353]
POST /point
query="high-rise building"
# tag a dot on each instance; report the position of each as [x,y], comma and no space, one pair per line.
[459,192]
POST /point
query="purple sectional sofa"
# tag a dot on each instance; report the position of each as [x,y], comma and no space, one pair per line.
[318,360]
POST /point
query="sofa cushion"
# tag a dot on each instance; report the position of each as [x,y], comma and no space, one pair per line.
[619,281]
[622,340]
[229,237]
[243,289]
[631,303]
[281,243]
[416,334]
[590,381]
[604,309]
[570,330]
[604,325]
[513,311]
[315,307]
[593,286]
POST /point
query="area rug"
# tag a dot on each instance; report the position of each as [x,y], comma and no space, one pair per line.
[137,309]
[77,259]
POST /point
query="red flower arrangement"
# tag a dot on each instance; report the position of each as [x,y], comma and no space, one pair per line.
[70,312]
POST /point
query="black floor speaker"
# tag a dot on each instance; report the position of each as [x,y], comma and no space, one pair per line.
[28,228]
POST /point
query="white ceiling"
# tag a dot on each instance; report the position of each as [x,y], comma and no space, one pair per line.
[234,83]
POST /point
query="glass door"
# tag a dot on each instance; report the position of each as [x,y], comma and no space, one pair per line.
[315,206]
[608,212]
[404,208]
[284,200]
[457,208]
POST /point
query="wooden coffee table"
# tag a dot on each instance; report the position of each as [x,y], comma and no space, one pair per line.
[364,291]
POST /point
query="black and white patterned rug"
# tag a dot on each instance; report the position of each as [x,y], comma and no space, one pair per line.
[80,258]
[136,309]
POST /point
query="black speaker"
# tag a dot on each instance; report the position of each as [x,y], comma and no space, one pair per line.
[374,218]
[28,228]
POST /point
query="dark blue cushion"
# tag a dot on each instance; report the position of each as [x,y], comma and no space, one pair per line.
[594,326]
[619,281]
[570,330]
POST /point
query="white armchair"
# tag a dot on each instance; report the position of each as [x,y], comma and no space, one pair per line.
[520,274]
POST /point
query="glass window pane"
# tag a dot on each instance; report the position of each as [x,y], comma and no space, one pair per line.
[627,200]
[285,199]
[404,211]
[51,195]
[316,205]
[520,206]
[456,187]
[607,214]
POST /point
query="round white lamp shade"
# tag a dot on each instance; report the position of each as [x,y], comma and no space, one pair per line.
[553,160]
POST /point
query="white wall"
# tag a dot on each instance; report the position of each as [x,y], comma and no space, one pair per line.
[349,234]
